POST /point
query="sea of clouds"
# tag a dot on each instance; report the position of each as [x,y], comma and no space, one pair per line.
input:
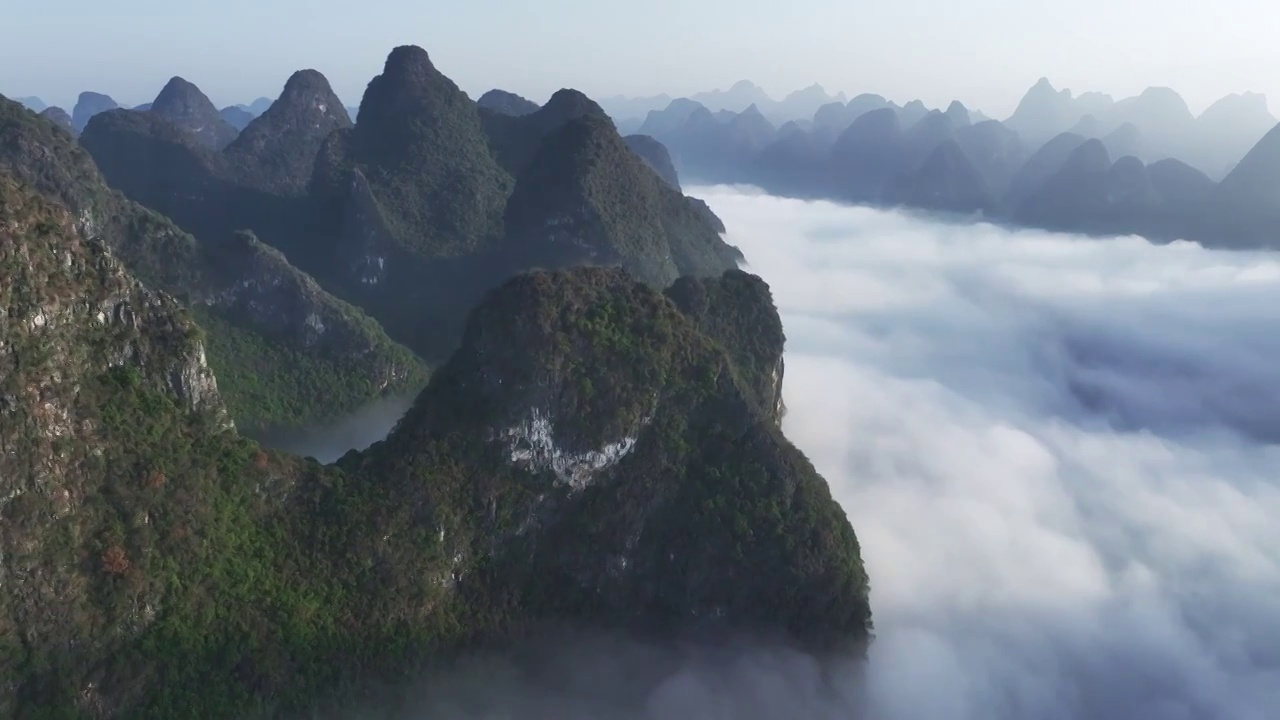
[1060,457]
[1058,453]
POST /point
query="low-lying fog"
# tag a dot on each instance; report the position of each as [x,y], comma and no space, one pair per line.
[1059,455]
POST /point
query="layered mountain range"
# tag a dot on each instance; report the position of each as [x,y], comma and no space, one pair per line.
[598,445]
[1141,165]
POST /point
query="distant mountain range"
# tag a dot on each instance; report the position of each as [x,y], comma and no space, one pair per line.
[869,149]
[801,104]
[1152,126]
[1084,163]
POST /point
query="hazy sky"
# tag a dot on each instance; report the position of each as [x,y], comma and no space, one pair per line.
[984,52]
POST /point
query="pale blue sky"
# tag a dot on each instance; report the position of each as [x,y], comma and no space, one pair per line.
[984,52]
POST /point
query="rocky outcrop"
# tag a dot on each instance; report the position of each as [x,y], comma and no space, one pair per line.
[44,259]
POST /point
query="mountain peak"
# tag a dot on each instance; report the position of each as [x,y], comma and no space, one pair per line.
[569,103]
[178,90]
[1248,103]
[958,113]
[183,104]
[586,199]
[408,59]
[276,151]
[744,86]
[305,83]
[1090,157]
[507,103]
[409,85]
[88,105]
[59,117]
[309,91]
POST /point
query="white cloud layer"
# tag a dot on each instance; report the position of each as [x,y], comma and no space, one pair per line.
[1060,457]
[1058,453]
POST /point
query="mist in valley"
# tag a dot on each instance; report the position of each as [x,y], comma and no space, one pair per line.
[1058,453]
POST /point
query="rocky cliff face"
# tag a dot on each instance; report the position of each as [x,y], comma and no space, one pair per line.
[99,380]
[61,289]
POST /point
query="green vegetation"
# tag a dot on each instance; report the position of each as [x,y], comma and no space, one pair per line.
[272,386]
[276,372]
[276,152]
[593,452]
[157,562]
[586,198]
[708,510]
[736,311]
[421,145]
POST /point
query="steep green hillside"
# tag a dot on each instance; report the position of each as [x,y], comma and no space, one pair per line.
[263,305]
